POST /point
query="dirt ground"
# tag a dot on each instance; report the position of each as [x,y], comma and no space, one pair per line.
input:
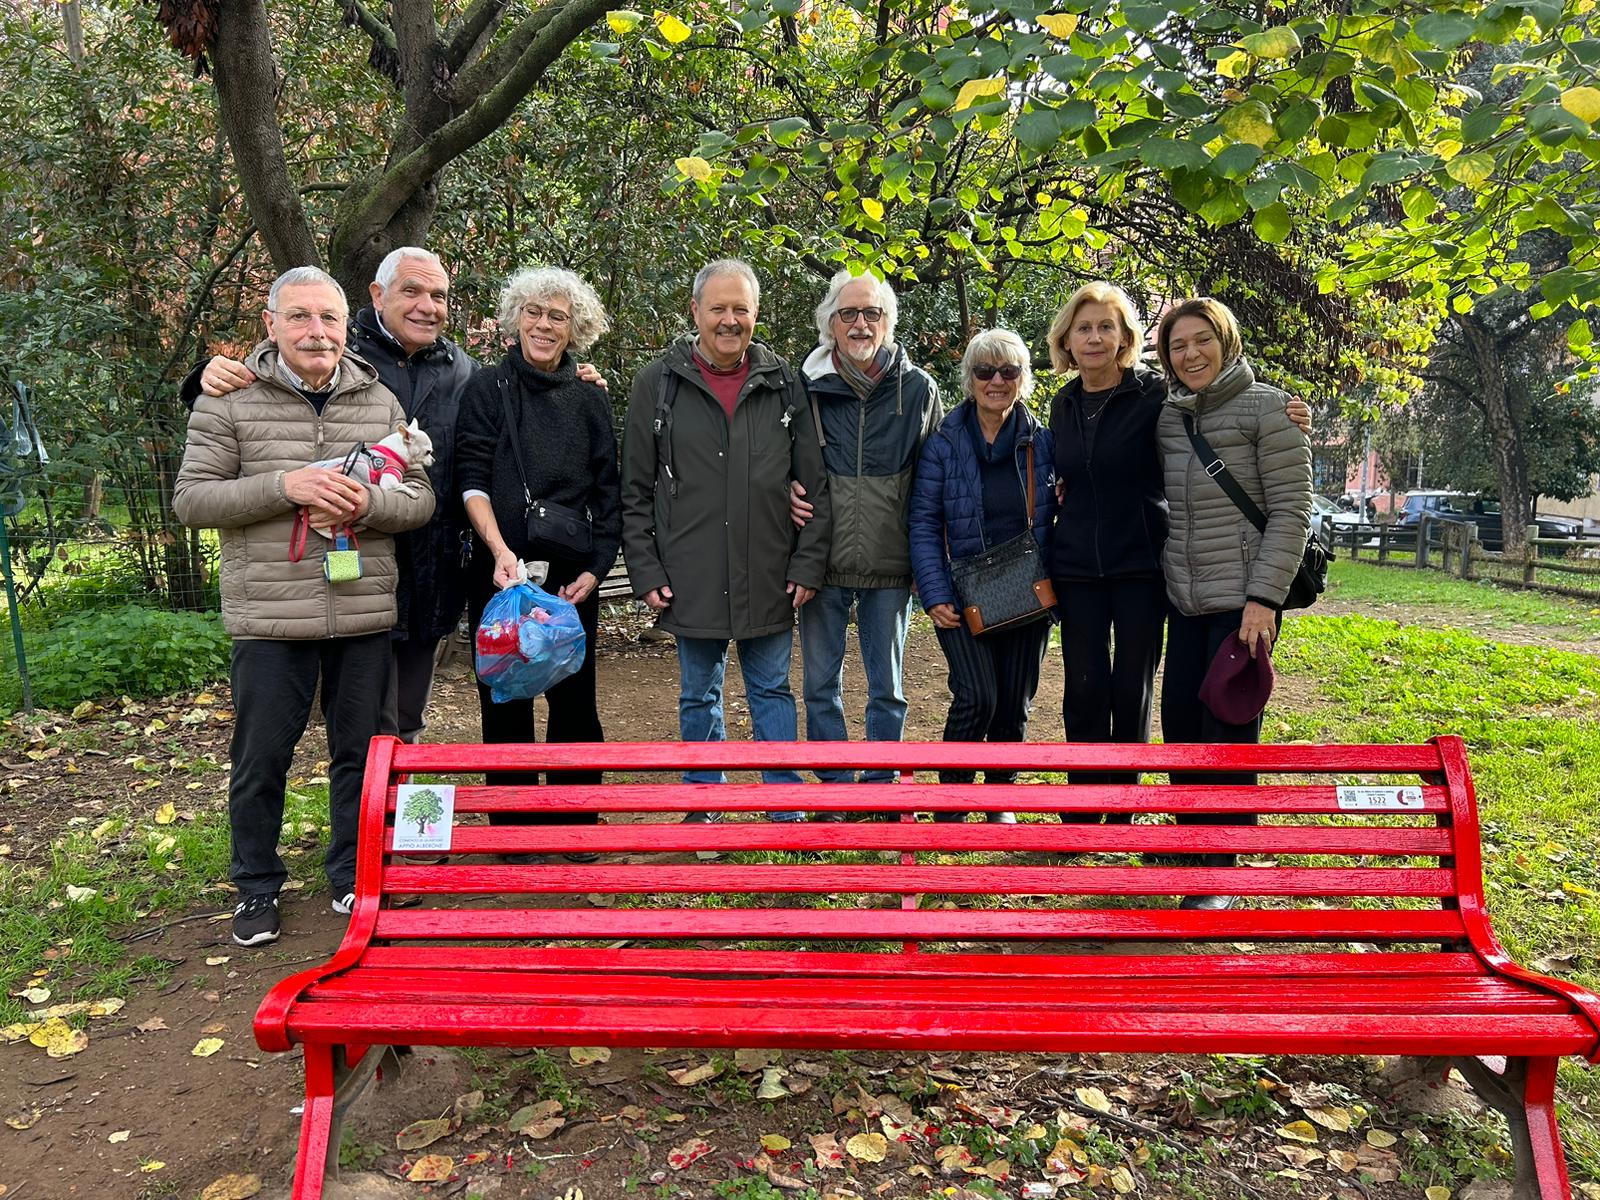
[139,1095]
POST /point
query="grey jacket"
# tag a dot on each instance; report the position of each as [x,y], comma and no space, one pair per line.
[717,529]
[1215,559]
[240,446]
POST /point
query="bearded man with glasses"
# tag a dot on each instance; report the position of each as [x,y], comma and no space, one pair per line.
[877,409]
[300,608]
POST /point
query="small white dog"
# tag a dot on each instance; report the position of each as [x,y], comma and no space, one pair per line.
[384,463]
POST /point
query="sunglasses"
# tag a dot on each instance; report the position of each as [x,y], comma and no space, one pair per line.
[987,371]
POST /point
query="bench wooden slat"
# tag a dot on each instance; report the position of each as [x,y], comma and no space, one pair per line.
[1027,836]
[806,924]
[917,797]
[895,879]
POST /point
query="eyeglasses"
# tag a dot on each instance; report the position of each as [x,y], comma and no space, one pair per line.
[849,315]
[987,371]
[534,311]
[299,318]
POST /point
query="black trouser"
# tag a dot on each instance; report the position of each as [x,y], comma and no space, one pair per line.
[410,685]
[1108,692]
[273,685]
[992,682]
[574,715]
[1192,642]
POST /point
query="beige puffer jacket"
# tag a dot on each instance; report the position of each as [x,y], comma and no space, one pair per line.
[1215,559]
[239,448]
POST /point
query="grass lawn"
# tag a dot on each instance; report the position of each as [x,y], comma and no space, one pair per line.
[1355,583]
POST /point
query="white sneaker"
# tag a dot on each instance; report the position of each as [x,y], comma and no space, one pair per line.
[343,906]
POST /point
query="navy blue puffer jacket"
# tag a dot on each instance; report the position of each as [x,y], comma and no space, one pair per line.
[947,501]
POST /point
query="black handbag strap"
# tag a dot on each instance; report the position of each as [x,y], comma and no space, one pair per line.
[516,440]
[1218,470]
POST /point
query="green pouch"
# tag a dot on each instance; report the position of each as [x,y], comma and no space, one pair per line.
[342,563]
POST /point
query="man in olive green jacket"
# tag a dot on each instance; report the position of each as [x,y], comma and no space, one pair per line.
[717,426]
[296,612]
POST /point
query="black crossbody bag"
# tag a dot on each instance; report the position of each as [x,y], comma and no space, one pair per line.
[552,529]
[1311,580]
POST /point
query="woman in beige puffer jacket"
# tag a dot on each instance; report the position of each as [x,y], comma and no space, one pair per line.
[1225,579]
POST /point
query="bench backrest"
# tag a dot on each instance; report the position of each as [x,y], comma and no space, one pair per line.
[1359,848]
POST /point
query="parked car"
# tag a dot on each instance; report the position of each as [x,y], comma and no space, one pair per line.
[1482,511]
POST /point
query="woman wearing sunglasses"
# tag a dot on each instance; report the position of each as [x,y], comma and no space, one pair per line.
[972,494]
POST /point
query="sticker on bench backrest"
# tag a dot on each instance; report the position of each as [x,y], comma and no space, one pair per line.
[424,816]
[1380,799]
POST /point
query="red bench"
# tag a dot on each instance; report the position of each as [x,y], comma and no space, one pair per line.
[1366,908]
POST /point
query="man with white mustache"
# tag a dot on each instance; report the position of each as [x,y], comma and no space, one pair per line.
[716,428]
[877,409]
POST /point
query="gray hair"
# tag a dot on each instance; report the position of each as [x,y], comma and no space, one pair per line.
[997,346]
[727,266]
[589,320]
[886,300]
[390,266]
[299,277]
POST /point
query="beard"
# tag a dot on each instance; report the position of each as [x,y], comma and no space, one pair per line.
[860,350]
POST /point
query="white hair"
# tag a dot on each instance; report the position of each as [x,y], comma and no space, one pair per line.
[589,320]
[299,277]
[886,300]
[390,266]
[999,346]
[727,266]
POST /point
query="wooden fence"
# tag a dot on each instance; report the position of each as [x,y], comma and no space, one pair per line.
[1560,566]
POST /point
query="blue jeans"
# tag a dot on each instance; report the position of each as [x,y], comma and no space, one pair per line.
[882,617]
[764,664]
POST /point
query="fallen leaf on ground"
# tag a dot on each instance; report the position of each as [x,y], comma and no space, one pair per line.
[206,1047]
[432,1168]
[1094,1098]
[1336,1119]
[58,1039]
[829,1156]
[1299,1131]
[754,1060]
[215,1027]
[814,1070]
[120,1135]
[216,960]
[1380,1138]
[537,1121]
[1121,1180]
[689,1076]
[1001,1117]
[772,1085]
[680,1157]
[585,1056]
[953,1160]
[18,1032]
[423,1133]
[1343,1160]
[466,1103]
[999,1170]
[1437,1192]
[153,1025]
[26,1119]
[166,814]
[34,995]
[232,1187]
[775,1143]
[868,1147]
[1300,1156]
[152,1165]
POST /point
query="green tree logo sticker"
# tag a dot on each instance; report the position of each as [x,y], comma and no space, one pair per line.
[423,806]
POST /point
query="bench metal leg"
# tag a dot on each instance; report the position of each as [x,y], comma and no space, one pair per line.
[1524,1089]
[333,1083]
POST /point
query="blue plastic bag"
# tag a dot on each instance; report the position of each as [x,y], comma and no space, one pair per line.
[527,641]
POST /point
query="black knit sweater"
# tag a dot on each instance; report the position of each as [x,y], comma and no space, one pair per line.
[568,447]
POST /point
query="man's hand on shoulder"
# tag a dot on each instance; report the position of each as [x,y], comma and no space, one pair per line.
[590,373]
[223,375]
[1300,413]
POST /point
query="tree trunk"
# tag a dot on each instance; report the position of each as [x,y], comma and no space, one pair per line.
[247,92]
[1505,431]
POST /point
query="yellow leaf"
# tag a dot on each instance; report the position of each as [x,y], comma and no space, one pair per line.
[1250,121]
[1471,169]
[1034,1133]
[1583,103]
[432,1168]
[232,1187]
[1234,65]
[1380,1138]
[423,1133]
[206,1047]
[693,167]
[872,207]
[152,1165]
[689,1076]
[1121,1180]
[584,1056]
[868,1147]
[216,960]
[623,21]
[166,814]
[58,1039]
[1094,1098]
[15,1033]
[974,90]
[120,1135]
[26,1119]
[1336,1119]
[1437,1193]
[671,28]
[775,1142]
[86,709]
[1344,1160]
[1299,1131]
[1059,25]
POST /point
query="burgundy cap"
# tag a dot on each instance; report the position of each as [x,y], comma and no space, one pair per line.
[1237,687]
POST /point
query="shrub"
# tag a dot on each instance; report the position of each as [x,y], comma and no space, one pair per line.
[128,650]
